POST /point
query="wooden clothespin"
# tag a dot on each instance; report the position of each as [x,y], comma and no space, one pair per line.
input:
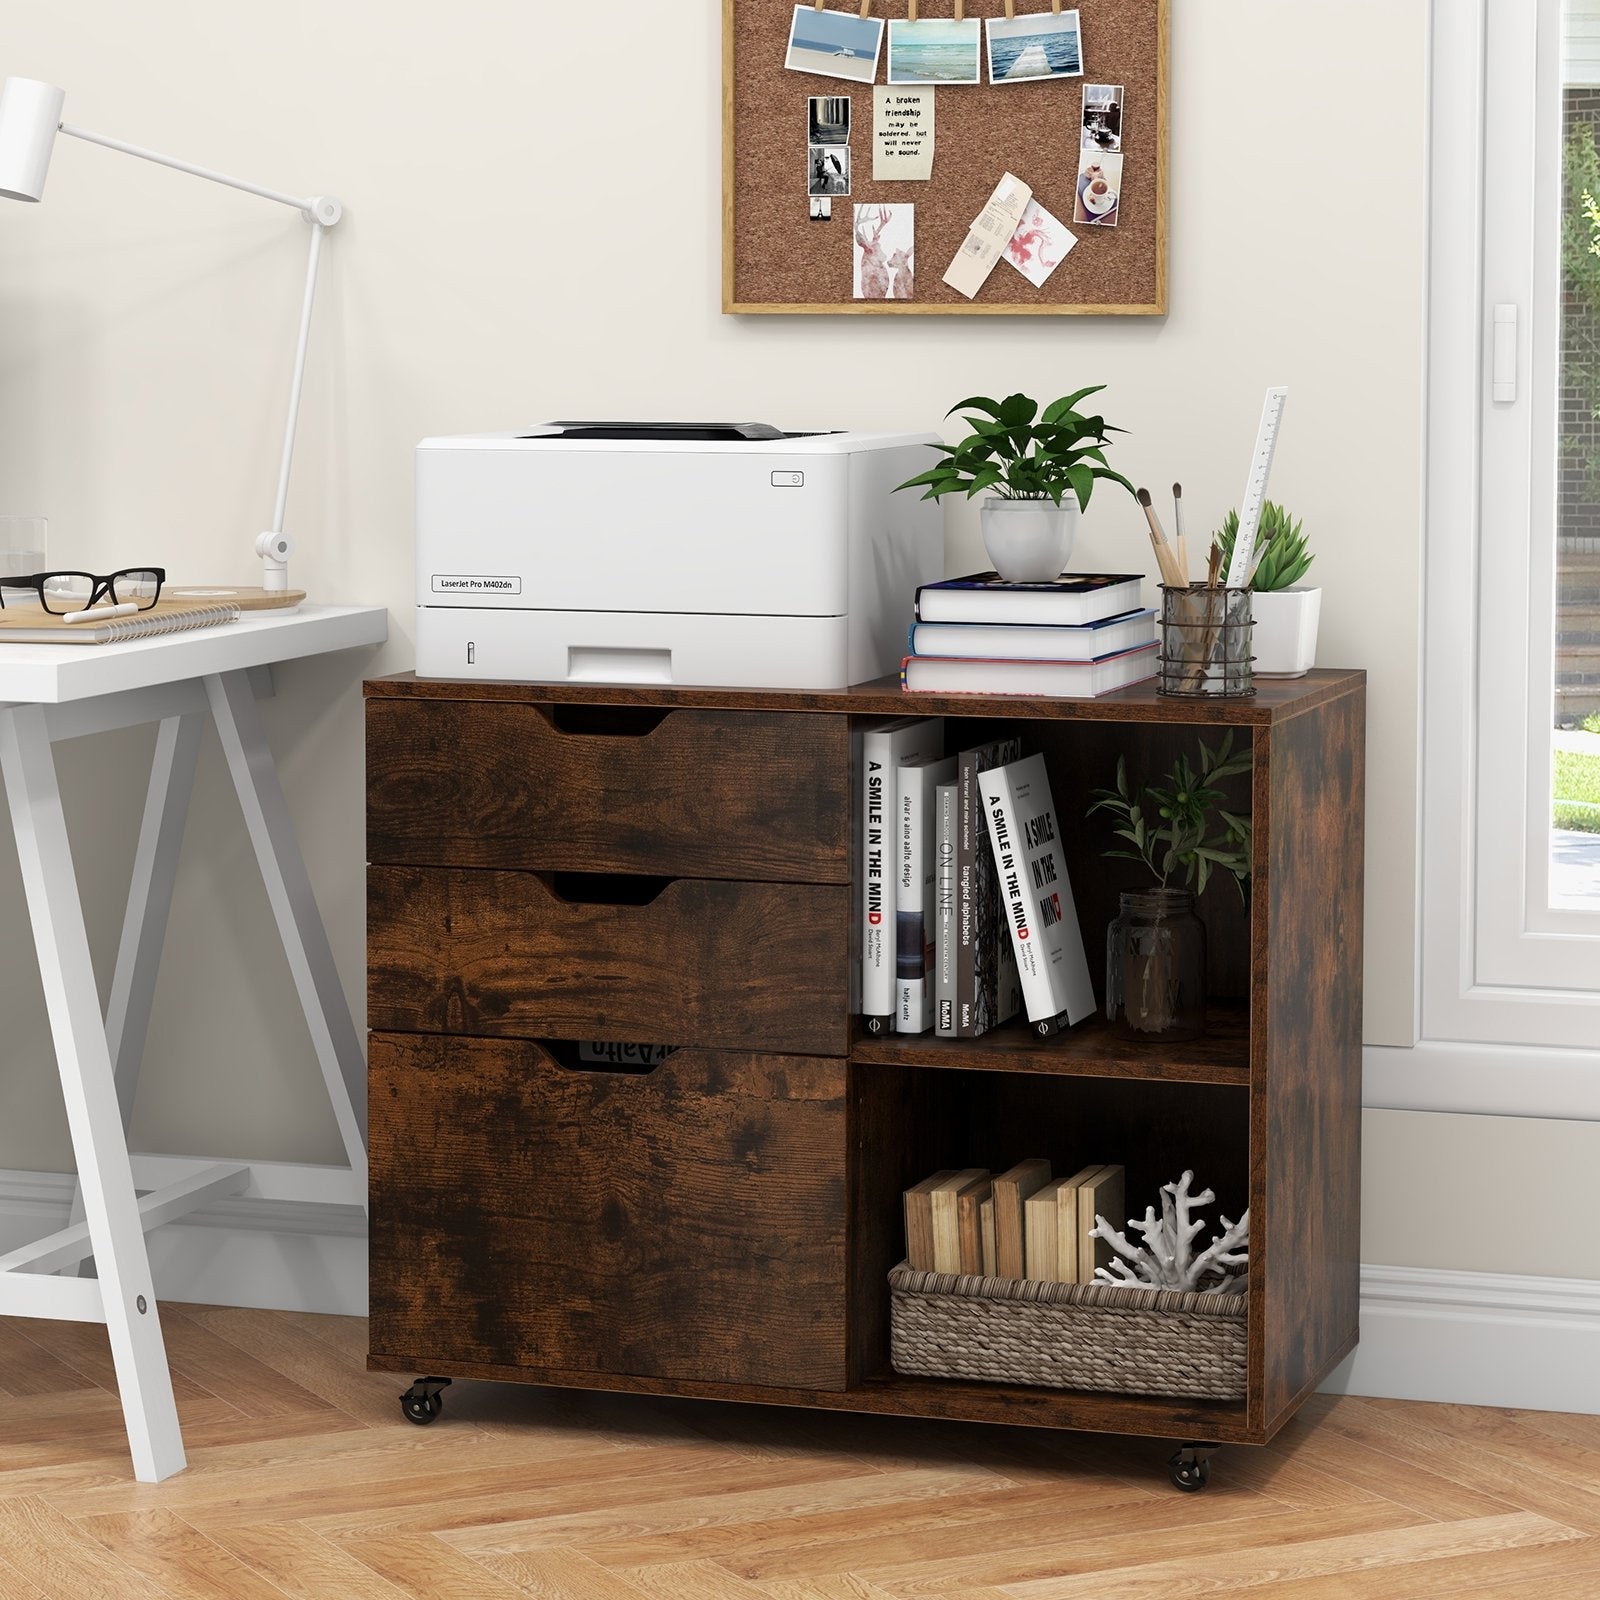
[911,10]
[1011,11]
[866,6]
[960,7]
[1055,6]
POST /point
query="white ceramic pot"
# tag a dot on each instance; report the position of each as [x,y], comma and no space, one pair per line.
[1029,540]
[1285,637]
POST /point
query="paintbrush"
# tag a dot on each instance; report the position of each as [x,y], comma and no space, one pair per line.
[1165,559]
[1213,565]
[1177,524]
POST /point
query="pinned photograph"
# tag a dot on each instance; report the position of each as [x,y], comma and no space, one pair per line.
[1102,116]
[834,44]
[1099,190]
[939,51]
[829,119]
[884,252]
[821,209]
[1047,44]
[1039,245]
[828,169]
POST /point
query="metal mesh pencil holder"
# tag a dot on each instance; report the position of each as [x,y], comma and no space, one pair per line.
[1205,643]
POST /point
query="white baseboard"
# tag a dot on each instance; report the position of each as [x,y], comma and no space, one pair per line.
[1476,1338]
[275,1255]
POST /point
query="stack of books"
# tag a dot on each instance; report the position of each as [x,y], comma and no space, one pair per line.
[1021,1223]
[967,913]
[1079,635]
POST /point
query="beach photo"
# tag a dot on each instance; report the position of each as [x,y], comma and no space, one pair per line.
[834,44]
[821,208]
[1102,116]
[827,170]
[939,51]
[828,119]
[1099,190]
[1047,44]
[885,268]
[1039,245]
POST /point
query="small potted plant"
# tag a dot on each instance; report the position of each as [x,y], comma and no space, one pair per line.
[1041,466]
[1181,829]
[1285,611]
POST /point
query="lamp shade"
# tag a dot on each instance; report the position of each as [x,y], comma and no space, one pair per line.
[30,114]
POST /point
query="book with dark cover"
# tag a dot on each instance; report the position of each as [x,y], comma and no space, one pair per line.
[985,996]
[1069,601]
[944,909]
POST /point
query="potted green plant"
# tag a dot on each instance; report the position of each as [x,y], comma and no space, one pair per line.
[1041,467]
[1286,612]
[1180,827]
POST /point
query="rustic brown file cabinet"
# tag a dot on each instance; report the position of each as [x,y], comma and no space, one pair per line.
[552,864]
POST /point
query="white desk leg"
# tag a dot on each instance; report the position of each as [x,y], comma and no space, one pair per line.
[144,923]
[305,940]
[84,1062]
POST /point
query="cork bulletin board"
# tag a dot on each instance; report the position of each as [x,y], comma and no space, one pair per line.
[777,260]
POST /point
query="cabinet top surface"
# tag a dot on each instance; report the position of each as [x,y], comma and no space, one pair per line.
[1275,700]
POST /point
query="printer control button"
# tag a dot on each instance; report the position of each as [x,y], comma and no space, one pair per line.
[788,480]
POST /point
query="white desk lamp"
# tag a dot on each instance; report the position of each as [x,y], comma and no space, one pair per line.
[30,118]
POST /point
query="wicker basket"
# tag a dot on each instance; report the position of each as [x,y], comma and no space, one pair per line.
[1067,1335]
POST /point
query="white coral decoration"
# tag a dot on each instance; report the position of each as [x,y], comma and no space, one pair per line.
[1166,1261]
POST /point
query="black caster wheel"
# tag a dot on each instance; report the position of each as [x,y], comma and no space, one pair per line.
[1190,1468]
[422,1402]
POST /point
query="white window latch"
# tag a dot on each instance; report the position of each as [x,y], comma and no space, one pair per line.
[1504,366]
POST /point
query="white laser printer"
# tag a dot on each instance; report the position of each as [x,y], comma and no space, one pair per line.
[718,554]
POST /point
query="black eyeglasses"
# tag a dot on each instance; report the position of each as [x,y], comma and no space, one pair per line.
[61,593]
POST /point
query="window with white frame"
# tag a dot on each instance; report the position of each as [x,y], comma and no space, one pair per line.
[1511,820]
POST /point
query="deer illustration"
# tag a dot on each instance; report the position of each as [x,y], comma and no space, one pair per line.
[874,269]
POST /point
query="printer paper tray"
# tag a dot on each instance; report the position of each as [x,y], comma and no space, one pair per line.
[529,646]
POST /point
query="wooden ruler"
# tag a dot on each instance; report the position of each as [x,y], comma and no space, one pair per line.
[1255,490]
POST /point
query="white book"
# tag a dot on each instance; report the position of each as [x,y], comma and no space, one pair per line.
[1073,680]
[1035,892]
[914,891]
[946,934]
[884,750]
[1023,641]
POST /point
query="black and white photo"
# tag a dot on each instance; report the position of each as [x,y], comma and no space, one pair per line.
[829,119]
[828,169]
[821,208]
[1102,116]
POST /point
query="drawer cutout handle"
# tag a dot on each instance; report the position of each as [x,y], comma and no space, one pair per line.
[607,888]
[608,722]
[619,1058]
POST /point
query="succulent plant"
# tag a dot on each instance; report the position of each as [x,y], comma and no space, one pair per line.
[1280,546]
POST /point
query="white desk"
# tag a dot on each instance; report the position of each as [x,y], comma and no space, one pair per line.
[50,692]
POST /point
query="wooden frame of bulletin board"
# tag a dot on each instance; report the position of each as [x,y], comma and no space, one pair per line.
[775,260]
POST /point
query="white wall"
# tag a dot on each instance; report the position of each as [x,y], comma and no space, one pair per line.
[532,230]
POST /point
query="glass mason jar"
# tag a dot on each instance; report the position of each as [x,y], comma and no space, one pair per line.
[1156,966]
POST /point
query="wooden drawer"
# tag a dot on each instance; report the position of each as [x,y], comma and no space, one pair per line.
[688,1223]
[756,965]
[698,794]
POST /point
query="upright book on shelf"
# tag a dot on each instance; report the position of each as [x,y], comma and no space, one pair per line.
[884,750]
[987,992]
[914,908]
[1036,895]
[945,806]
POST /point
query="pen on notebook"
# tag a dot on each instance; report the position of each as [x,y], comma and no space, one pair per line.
[100,613]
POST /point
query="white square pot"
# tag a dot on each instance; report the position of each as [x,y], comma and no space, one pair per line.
[1285,639]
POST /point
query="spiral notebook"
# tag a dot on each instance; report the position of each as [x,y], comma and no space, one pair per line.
[33,626]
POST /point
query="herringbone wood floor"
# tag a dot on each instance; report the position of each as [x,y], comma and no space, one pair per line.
[304,1480]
